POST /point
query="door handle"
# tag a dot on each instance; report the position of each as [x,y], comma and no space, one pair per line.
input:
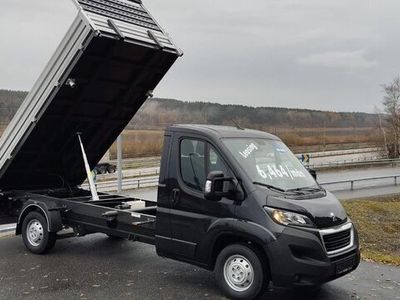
[175,196]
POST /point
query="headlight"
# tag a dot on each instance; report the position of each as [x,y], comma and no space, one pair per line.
[284,217]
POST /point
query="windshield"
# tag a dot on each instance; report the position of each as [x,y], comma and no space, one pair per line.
[270,162]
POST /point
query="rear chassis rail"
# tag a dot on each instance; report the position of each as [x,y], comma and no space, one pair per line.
[113,214]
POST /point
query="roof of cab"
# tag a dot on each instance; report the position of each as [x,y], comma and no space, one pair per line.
[222,131]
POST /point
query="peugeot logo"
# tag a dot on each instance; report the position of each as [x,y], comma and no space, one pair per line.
[334,218]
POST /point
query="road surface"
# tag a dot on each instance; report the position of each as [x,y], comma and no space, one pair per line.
[96,267]
[365,188]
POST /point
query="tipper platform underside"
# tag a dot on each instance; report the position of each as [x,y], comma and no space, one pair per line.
[108,64]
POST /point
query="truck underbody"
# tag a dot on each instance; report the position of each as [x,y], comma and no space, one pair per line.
[118,216]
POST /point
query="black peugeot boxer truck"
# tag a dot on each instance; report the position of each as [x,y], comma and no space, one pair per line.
[230,200]
[240,203]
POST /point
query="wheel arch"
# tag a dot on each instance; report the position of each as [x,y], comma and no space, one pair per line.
[53,218]
[226,239]
[234,231]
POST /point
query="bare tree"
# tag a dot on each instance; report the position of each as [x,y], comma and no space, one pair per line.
[382,129]
[391,103]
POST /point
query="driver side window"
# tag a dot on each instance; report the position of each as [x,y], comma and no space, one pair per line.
[192,163]
[195,165]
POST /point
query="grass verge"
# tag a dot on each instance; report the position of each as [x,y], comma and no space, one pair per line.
[378,224]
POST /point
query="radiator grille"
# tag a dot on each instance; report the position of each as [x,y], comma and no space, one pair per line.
[338,240]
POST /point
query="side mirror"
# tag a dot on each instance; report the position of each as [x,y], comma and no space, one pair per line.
[218,186]
[313,173]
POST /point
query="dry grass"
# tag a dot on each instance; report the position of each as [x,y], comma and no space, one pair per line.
[145,143]
[321,136]
[378,223]
[140,143]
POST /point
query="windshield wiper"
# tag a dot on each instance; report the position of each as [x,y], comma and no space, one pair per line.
[270,186]
[306,189]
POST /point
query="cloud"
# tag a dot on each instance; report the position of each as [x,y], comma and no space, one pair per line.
[339,59]
[238,53]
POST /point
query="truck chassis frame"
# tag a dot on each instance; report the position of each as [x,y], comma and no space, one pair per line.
[117,216]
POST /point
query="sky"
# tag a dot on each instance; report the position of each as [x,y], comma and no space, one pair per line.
[330,55]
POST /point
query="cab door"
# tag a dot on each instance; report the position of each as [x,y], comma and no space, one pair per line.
[191,213]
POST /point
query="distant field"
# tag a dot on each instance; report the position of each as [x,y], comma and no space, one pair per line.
[325,136]
[145,143]
[139,143]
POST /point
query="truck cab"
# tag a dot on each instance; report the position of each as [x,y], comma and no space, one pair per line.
[239,202]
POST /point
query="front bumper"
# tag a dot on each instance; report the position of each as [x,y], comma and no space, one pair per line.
[299,258]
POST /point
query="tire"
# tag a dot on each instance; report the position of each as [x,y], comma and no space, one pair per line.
[35,233]
[230,271]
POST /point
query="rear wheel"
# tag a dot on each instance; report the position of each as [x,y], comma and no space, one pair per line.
[239,272]
[35,233]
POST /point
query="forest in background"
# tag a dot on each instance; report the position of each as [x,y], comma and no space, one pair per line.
[297,127]
[159,113]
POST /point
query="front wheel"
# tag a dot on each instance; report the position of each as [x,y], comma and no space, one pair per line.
[35,233]
[239,272]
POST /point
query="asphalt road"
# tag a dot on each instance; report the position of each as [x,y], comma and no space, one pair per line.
[344,174]
[362,189]
[96,267]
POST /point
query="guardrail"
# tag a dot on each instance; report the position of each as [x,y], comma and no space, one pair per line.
[352,181]
[127,183]
[340,152]
[149,177]
[353,163]
[137,183]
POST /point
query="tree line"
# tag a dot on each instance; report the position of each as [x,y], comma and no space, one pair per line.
[162,112]
[158,113]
